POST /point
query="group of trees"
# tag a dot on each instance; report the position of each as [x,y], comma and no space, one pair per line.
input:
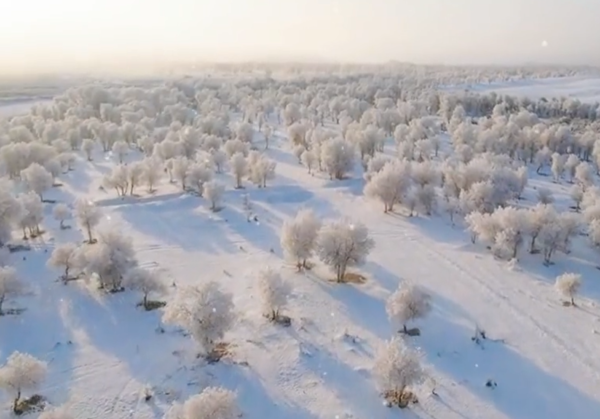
[338,244]
[194,130]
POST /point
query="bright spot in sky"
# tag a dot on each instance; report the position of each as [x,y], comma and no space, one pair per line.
[544,44]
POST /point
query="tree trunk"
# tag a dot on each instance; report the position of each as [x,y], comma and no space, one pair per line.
[145,301]
[89,232]
[16,401]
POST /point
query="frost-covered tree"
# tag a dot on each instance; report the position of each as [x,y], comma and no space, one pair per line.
[576,192]
[261,170]
[539,217]
[152,172]
[396,368]
[10,212]
[584,174]
[407,303]
[117,179]
[571,165]
[299,237]
[10,285]
[267,132]
[120,149]
[212,403]
[180,167]
[568,285]
[205,312]
[37,179]
[88,216]
[239,168]
[337,156]
[218,159]
[65,257]
[21,372]
[135,173]
[390,184]
[274,292]
[558,166]
[545,196]
[198,174]
[32,214]
[309,159]
[88,146]
[214,191]
[145,281]
[110,260]
[61,213]
[344,243]
[244,132]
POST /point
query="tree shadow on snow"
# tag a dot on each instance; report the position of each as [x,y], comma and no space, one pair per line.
[383,276]
[179,222]
[254,399]
[114,325]
[40,329]
[352,185]
[524,390]
[364,309]
[353,386]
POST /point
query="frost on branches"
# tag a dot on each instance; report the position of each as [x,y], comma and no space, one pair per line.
[396,368]
[390,184]
[88,216]
[299,237]
[212,403]
[274,292]
[341,244]
[407,303]
[109,260]
[22,372]
[65,256]
[205,312]
[146,281]
[568,285]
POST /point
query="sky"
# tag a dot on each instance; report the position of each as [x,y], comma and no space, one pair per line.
[69,34]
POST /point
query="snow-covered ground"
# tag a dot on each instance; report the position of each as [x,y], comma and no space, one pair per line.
[14,108]
[584,88]
[103,351]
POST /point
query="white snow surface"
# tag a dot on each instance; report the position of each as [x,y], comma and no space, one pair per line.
[583,88]
[103,351]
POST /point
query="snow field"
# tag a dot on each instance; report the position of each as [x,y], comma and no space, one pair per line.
[102,351]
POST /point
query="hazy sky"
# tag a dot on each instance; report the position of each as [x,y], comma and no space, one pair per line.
[37,33]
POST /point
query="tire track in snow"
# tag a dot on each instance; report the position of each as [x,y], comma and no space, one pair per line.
[543,332]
